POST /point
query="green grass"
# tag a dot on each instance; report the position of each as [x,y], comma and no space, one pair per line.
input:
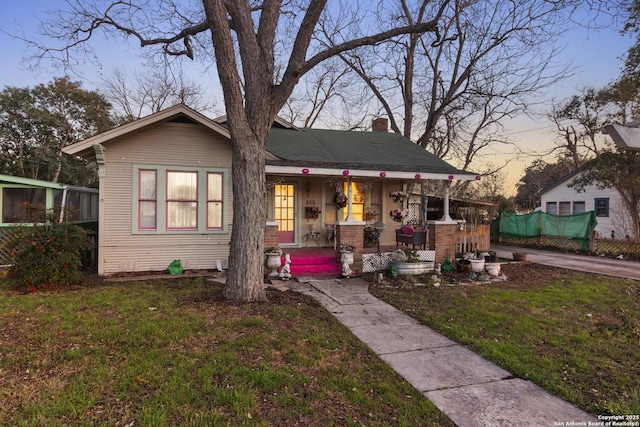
[576,335]
[174,353]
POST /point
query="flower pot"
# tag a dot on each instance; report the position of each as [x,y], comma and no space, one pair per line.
[273,262]
[464,265]
[519,256]
[477,265]
[493,268]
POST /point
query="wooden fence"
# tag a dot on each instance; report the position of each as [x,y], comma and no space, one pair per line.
[472,238]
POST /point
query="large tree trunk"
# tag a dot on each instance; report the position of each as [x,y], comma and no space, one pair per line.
[245,283]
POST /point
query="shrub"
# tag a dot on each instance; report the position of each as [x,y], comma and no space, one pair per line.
[46,254]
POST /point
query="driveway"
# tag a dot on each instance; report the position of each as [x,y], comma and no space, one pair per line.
[589,264]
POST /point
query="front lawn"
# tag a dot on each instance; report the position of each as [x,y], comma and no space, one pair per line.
[575,334]
[174,353]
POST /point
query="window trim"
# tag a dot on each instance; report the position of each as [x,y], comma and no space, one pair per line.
[141,199]
[161,195]
[168,200]
[208,201]
[595,206]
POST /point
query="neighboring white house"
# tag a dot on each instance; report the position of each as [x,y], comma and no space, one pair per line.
[559,199]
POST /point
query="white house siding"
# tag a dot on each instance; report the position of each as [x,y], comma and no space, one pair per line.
[164,144]
[615,223]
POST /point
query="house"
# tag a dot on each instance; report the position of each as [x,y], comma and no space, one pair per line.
[559,199]
[165,190]
[25,200]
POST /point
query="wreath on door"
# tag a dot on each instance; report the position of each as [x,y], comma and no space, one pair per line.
[340,200]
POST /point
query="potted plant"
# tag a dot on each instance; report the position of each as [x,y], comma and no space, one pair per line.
[370,214]
[311,212]
[273,254]
[398,195]
[477,263]
[397,215]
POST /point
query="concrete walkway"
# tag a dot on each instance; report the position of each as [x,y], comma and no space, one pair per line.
[590,264]
[469,389]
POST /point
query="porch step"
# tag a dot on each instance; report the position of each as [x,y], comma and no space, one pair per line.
[302,265]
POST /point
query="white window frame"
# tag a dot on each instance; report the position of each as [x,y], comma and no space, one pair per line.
[161,194]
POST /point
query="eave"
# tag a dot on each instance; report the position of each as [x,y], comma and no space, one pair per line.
[85,148]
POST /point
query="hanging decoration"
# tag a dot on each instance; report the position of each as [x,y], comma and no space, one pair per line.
[340,200]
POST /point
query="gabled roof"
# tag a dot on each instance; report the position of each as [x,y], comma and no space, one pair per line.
[178,112]
[562,180]
[372,152]
[291,150]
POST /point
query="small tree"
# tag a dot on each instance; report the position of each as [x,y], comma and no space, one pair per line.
[36,123]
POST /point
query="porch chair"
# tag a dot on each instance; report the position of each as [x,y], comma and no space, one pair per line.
[407,235]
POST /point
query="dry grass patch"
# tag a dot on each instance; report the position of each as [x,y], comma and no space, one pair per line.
[575,334]
[174,353]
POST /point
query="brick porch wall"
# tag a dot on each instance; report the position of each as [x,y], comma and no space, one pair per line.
[271,234]
[442,238]
[351,233]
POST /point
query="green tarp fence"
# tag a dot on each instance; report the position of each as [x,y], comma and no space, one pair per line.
[536,224]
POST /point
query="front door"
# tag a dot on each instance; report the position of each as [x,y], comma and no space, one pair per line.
[285,212]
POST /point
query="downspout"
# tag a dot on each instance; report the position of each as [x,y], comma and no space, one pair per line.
[63,204]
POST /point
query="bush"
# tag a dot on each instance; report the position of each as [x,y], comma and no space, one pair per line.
[46,254]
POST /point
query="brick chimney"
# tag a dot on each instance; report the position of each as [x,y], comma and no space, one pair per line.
[380,125]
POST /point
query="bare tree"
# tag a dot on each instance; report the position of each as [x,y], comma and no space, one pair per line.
[145,93]
[450,90]
[319,95]
[579,122]
[244,37]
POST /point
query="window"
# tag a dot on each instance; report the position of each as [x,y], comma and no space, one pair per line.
[23,205]
[147,199]
[552,208]
[579,207]
[602,207]
[182,200]
[214,200]
[565,208]
[178,200]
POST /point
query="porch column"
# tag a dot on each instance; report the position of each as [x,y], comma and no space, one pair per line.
[446,216]
[349,201]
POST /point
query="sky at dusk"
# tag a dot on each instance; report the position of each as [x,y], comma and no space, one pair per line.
[595,55]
